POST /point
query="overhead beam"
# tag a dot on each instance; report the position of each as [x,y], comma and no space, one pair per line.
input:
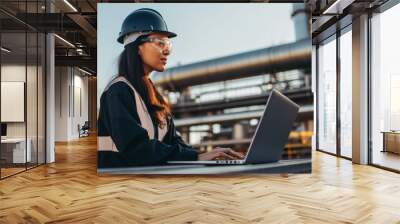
[82,61]
[86,27]
[43,22]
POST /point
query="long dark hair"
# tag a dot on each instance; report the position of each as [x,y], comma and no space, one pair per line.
[131,67]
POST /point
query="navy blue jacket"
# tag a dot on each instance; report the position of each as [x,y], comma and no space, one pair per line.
[119,119]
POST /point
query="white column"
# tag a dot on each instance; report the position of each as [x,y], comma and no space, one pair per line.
[50,92]
[360,90]
[50,99]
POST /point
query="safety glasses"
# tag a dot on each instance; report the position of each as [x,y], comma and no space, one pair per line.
[162,44]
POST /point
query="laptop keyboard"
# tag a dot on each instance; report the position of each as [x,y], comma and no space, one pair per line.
[230,161]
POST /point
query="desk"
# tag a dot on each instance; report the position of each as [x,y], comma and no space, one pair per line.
[283,166]
[391,141]
[13,150]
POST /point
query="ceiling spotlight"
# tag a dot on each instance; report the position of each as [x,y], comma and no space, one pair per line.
[337,7]
[84,71]
[70,5]
[65,41]
[5,50]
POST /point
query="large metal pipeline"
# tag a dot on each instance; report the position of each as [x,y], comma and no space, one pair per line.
[183,122]
[280,58]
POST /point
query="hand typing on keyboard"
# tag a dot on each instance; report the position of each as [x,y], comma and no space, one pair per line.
[221,153]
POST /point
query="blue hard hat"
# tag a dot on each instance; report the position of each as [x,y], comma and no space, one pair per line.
[144,20]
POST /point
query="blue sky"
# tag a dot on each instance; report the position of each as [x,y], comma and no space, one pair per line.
[204,30]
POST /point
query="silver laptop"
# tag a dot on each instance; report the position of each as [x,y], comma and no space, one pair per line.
[271,134]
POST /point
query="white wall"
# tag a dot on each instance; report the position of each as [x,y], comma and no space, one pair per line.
[61,103]
[80,109]
[71,94]
[14,73]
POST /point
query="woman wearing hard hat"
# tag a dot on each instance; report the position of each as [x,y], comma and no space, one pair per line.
[135,126]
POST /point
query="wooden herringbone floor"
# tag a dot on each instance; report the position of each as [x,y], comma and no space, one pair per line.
[70,191]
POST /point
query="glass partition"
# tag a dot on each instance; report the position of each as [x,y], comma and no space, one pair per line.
[31,98]
[22,87]
[326,98]
[346,93]
[41,91]
[13,95]
[385,89]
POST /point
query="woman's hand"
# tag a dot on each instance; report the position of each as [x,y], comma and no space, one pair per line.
[223,153]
